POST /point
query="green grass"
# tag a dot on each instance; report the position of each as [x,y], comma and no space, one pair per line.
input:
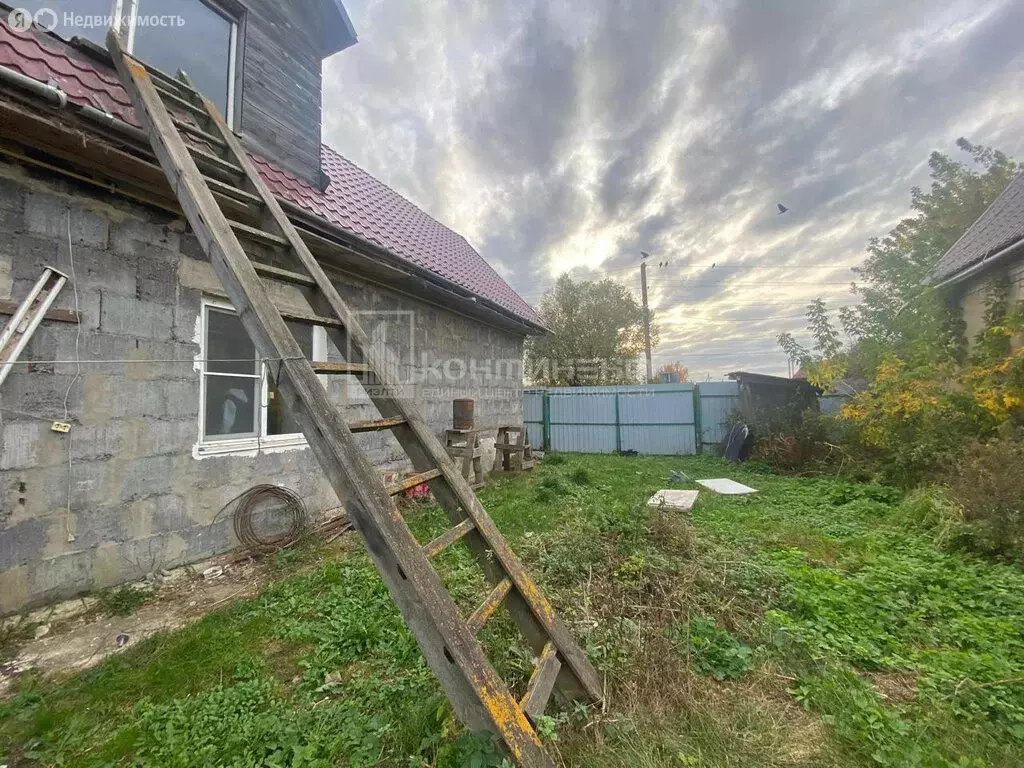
[809,625]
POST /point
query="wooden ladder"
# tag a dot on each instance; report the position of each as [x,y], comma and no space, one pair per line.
[26,319]
[195,136]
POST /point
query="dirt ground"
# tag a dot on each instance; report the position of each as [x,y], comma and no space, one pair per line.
[77,634]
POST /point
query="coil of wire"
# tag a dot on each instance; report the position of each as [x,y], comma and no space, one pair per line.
[288,506]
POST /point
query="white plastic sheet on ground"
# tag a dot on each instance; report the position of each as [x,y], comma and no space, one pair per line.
[726,486]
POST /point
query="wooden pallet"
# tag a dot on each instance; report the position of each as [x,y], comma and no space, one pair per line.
[183,125]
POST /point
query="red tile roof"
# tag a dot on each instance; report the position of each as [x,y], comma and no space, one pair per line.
[354,200]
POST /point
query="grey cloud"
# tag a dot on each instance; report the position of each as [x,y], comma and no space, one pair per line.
[675,128]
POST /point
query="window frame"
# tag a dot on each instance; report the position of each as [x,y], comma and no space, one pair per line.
[234,15]
[213,445]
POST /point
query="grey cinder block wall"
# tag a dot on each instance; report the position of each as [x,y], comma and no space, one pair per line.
[131,489]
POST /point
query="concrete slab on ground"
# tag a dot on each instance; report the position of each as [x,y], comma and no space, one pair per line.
[726,486]
[674,500]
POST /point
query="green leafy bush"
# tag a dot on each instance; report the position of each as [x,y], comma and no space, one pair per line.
[989,485]
[712,651]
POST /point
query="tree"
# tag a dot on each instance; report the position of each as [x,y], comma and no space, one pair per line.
[897,315]
[926,400]
[827,362]
[677,368]
[597,333]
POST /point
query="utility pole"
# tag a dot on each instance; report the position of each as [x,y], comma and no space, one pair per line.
[647,314]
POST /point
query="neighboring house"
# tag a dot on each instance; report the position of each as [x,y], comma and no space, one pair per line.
[183,417]
[993,247]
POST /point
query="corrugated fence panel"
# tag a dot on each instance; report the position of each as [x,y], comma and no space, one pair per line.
[658,421]
[659,441]
[647,419]
[655,419]
[717,400]
[533,417]
[582,421]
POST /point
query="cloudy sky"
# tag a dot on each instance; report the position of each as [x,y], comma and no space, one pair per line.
[568,136]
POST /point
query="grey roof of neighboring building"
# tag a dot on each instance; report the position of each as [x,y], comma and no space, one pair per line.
[999,227]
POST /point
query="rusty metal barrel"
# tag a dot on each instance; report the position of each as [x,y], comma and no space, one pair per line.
[462,414]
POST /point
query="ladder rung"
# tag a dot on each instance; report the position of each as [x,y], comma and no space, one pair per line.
[226,190]
[322,367]
[181,103]
[199,133]
[283,275]
[445,540]
[480,616]
[413,481]
[257,234]
[222,165]
[159,76]
[375,425]
[538,691]
[301,317]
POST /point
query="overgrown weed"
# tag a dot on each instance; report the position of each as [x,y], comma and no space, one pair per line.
[759,631]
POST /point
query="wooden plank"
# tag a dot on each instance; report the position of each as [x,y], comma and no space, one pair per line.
[412,481]
[303,317]
[8,307]
[449,537]
[199,133]
[480,697]
[538,691]
[341,368]
[216,164]
[258,235]
[283,275]
[480,616]
[226,190]
[170,83]
[374,425]
[178,102]
[462,452]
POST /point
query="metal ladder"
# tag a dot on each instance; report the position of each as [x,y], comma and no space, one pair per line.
[229,181]
[19,329]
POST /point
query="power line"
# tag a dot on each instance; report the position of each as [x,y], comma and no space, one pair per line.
[533,295]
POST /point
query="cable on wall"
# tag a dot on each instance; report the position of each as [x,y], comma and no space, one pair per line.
[78,375]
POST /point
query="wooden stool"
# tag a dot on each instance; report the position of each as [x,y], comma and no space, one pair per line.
[511,451]
[465,444]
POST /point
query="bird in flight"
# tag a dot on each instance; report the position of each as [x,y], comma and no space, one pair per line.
[782,208]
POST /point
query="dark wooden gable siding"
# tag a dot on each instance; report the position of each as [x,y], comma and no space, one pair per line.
[280,104]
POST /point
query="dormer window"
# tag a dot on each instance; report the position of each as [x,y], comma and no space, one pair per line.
[197,36]
[202,41]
